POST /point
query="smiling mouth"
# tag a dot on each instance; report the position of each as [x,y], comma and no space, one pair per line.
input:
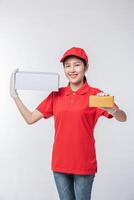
[73,75]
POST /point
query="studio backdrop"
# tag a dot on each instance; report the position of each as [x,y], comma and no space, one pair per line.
[33,36]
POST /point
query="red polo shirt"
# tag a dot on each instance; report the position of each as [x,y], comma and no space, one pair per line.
[74,143]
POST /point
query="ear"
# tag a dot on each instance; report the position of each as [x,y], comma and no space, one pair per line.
[86,67]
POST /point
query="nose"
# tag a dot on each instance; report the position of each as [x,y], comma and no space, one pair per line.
[72,68]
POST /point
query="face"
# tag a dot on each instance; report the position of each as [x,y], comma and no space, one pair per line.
[74,70]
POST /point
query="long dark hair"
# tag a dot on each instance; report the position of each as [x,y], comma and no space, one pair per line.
[85,79]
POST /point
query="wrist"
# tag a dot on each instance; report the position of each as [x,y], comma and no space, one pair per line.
[112,111]
[15,96]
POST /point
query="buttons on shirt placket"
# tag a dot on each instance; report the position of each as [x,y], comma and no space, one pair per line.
[72,98]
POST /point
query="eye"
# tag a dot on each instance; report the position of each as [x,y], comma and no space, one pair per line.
[78,64]
[67,66]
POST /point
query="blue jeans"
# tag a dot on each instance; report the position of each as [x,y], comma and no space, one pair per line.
[73,186]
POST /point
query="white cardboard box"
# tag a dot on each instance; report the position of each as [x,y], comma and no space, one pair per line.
[37,81]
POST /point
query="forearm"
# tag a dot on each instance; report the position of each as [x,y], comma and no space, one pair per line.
[23,110]
[29,117]
[120,115]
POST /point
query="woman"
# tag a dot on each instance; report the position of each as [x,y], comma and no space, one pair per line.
[73,157]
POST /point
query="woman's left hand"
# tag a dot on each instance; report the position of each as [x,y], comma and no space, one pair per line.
[109,110]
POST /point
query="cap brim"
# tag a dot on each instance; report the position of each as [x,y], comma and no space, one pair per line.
[64,57]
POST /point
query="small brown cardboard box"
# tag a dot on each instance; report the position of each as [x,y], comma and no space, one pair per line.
[101,101]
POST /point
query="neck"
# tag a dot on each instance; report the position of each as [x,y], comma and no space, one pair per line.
[76,86]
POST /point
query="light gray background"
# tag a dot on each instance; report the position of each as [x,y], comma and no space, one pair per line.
[33,36]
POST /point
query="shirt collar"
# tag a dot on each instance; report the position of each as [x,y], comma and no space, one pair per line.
[82,90]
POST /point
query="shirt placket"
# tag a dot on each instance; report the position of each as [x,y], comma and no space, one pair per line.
[73,98]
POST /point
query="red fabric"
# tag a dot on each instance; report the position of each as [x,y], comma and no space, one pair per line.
[74,143]
[75,51]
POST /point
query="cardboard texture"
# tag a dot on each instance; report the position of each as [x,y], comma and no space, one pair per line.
[37,81]
[101,101]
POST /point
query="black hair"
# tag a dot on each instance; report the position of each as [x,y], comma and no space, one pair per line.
[85,79]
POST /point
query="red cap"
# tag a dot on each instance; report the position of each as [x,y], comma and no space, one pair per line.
[75,51]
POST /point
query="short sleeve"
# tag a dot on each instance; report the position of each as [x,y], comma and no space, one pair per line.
[104,113]
[101,112]
[46,106]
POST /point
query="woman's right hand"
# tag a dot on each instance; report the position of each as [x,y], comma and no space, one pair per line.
[13,91]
